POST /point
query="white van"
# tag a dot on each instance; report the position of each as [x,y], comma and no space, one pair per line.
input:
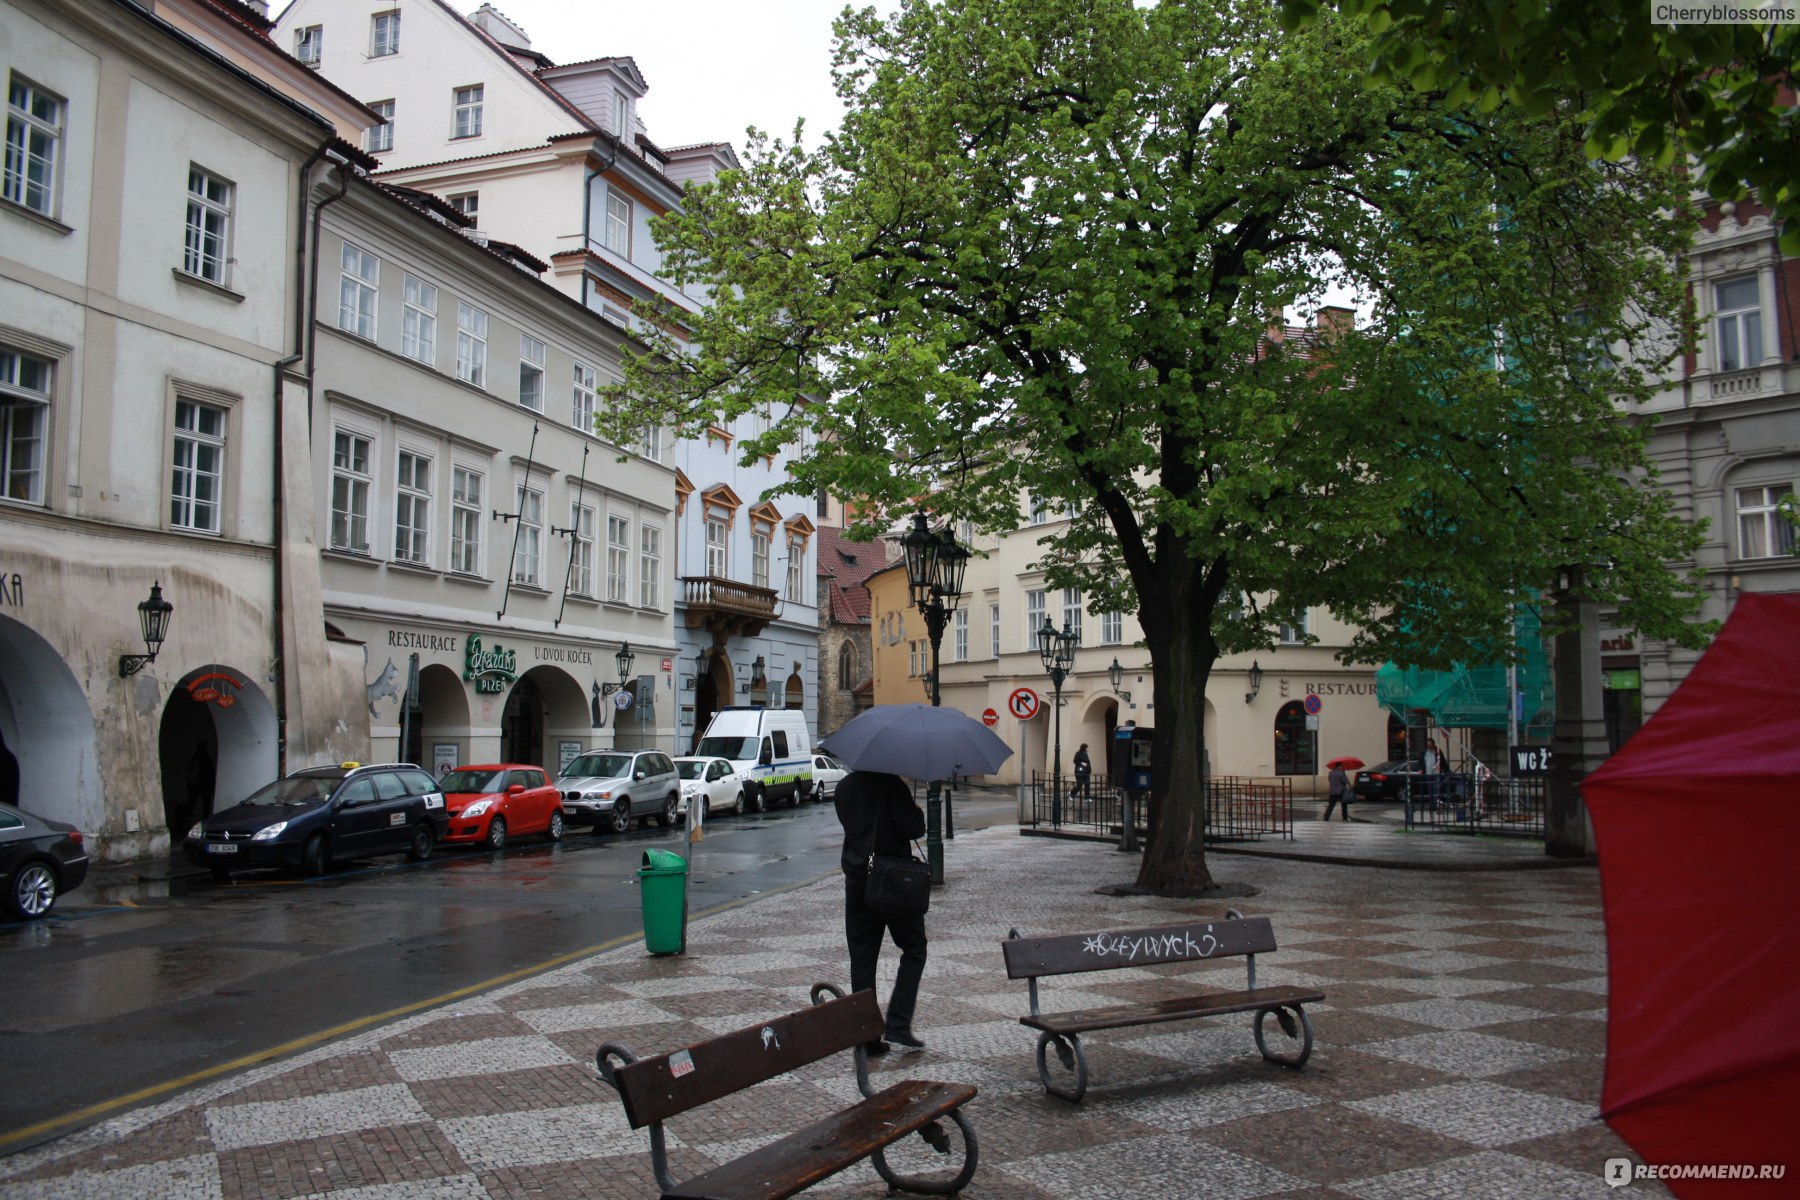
[769,748]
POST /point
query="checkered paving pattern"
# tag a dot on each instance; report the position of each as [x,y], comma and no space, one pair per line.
[1458,1054]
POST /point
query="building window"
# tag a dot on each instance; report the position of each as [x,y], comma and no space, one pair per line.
[418,333]
[471,344]
[197,483]
[1071,612]
[796,570]
[412,509]
[581,414]
[993,631]
[309,44]
[618,557]
[24,417]
[34,127]
[618,224]
[621,112]
[1763,530]
[468,204]
[361,275]
[1295,634]
[650,444]
[528,556]
[384,34]
[846,667]
[1112,628]
[913,658]
[381,136]
[1737,321]
[581,548]
[718,556]
[465,521]
[1034,617]
[531,372]
[467,103]
[649,566]
[350,492]
[759,558]
[208,226]
[1040,510]
[960,638]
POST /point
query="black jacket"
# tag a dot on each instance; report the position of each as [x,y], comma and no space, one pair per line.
[878,816]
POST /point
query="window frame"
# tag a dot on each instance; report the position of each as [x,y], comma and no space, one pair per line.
[380,139]
[584,392]
[649,565]
[466,102]
[1035,601]
[759,557]
[359,294]
[1072,607]
[1738,328]
[352,486]
[529,549]
[27,400]
[582,517]
[994,631]
[1294,635]
[959,628]
[22,123]
[309,37]
[1776,537]
[468,204]
[618,557]
[376,20]
[718,549]
[208,224]
[531,372]
[199,440]
[467,512]
[617,223]
[471,345]
[796,569]
[1112,628]
[412,506]
[418,318]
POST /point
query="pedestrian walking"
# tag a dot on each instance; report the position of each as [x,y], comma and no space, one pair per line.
[1338,782]
[1084,771]
[879,816]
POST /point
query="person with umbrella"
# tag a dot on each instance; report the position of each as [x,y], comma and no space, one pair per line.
[879,816]
[876,809]
[1338,781]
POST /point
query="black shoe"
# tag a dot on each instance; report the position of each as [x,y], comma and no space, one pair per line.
[906,1040]
[876,1048]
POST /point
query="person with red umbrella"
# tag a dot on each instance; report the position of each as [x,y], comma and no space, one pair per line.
[1337,787]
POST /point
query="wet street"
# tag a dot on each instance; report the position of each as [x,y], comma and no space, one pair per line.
[144,981]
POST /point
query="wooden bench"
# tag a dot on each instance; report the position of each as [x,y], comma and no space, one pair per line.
[655,1089]
[1195,941]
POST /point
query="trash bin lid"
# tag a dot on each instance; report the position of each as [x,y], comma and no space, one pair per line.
[663,862]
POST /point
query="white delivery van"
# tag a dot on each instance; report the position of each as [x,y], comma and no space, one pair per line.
[769,748]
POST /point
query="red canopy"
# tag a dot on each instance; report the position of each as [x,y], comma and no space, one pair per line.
[1698,825]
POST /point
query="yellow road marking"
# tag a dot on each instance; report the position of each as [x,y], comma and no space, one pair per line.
[92,1111]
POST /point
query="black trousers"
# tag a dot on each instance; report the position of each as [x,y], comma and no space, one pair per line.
[863,930]
[1343,799]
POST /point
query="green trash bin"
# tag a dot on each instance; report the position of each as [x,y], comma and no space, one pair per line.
[663,881]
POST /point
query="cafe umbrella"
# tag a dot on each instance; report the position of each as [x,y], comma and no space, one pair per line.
[919,742]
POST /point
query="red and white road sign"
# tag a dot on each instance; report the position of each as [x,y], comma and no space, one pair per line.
[1023,703]
[990,718]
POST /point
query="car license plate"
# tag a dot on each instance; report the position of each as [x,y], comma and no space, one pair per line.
[221,848]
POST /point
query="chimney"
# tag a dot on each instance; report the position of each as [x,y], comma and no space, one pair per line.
[492,22]
[1334,320]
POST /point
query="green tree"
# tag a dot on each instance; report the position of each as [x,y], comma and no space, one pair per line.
[1722,93]
[1042,258]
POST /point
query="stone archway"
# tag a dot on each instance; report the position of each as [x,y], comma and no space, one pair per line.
[544,706]
[1296,749]
[47,732]
[215,745]
[793,692]
[444,717]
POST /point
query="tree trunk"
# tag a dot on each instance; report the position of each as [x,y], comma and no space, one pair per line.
[1177,623]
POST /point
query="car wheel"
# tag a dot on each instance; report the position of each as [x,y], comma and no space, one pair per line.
[496,838]
[705,809]
[555,832]
[315,858]
[32,891]
[666,817]
[621,815]
[758,803]
[424,840]
[738,804]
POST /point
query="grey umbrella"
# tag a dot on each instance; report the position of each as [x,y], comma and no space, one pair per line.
[919,742]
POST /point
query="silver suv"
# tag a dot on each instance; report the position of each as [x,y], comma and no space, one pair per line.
[618,787]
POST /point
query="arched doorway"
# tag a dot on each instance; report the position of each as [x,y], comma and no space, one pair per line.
[215,745]
[545,706]
[443,718]
[713,683]
[793,692]
[1396,737]
[1296,749]
[522,724]
[48,752]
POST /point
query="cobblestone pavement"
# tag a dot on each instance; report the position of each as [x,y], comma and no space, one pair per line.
[1459,1054]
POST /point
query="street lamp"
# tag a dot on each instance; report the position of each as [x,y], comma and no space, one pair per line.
[622,660]
[1256,674]
[1058,652]
[153,617]
[1115,675]
[934,571]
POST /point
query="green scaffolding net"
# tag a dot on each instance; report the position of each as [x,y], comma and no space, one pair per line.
[1476,697]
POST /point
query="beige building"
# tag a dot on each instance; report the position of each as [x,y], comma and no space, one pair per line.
[1255,724]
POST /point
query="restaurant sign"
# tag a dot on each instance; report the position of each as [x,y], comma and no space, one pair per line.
[492,670]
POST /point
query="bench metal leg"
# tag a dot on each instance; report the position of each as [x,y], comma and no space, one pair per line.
[934,1187]
[1305,1034]
[1073,1057]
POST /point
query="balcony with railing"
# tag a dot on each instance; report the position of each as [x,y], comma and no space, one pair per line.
[726,607]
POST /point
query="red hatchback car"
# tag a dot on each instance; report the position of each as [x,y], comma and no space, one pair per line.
[489,804]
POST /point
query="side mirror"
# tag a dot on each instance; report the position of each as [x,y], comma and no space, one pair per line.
[517,789]
[641,776]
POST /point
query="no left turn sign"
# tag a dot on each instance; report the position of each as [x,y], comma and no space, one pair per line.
[1023,703]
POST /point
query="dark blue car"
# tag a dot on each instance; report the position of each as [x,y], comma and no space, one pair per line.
[320,815]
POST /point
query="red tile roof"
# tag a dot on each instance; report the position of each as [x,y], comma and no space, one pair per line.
[843,566]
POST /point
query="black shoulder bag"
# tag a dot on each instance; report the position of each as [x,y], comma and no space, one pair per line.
[900,887]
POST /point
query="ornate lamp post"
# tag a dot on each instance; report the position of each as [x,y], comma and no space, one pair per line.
[153,617]
[1058,652]
[934,571]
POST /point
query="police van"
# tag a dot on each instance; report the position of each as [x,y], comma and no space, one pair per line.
[769,748]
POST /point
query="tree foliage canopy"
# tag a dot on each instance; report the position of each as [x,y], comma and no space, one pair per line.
[1723,93]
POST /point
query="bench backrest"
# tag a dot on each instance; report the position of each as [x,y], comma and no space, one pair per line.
[655,1089]
[1028,958]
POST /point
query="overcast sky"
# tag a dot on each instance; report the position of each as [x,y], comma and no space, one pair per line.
[713,66]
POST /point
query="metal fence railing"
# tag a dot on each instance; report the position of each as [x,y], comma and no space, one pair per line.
[1463,803]
[1238,809]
